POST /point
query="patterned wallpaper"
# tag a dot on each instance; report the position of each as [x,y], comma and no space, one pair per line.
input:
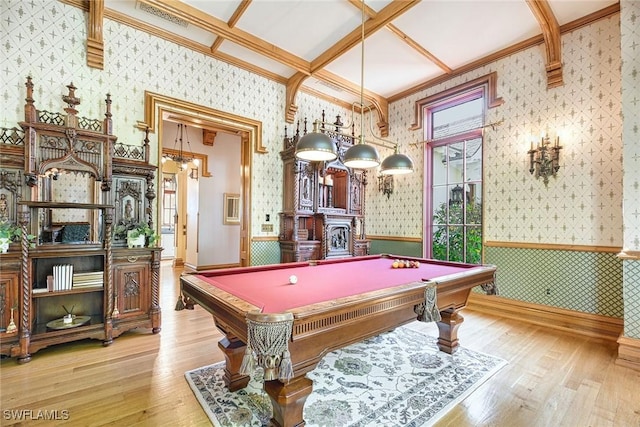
[46,39]
[404,206]
[76,188]
[630,47]
[582,206]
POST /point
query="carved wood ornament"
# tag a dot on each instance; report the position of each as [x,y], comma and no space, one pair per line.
[95,42]
[551,33]
[57,182]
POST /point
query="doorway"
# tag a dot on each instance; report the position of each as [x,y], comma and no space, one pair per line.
[169,214]
[249,134]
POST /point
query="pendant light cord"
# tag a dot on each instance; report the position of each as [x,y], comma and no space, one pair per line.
[362,77]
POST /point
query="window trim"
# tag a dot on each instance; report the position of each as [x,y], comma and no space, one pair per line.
[489,82]
[446,100]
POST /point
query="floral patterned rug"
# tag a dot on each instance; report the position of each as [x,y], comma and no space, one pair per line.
[399,378]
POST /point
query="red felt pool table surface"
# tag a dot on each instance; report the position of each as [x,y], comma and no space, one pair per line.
[271,291]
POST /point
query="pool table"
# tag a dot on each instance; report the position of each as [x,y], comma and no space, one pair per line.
[333,303]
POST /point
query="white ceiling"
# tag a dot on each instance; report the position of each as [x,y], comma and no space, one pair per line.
[455,32]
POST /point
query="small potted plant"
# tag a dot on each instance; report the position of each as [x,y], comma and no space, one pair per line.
[137,234]
[8,233]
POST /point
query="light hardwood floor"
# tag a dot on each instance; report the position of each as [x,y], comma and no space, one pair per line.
[552,379]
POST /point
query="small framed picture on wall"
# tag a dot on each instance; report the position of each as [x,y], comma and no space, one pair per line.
[231,204]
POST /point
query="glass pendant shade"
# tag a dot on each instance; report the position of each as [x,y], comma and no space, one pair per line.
[396,164]
[361,156]
[316,147]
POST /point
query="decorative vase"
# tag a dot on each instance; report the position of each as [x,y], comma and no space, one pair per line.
[135,242]
[4,244]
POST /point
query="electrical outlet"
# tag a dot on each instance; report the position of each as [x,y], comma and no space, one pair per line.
[548,292]
[267,228]
[268,218]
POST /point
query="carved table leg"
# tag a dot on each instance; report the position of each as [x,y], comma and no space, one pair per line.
[233,350]
[448,327]
[288,400]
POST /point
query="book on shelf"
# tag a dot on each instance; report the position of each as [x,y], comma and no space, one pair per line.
[93,279]
[62,277]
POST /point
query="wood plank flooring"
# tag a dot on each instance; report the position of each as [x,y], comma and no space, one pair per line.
[552,379]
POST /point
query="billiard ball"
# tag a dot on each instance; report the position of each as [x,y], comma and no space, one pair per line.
[293,279]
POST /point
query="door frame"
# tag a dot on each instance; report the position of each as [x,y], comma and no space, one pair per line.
[250,131]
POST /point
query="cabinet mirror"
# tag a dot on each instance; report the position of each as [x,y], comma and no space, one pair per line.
[60,224]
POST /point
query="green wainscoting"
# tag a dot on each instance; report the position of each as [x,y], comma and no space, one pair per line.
[265,252]
[268,252]
[632,298]
[396,247]
[590,282]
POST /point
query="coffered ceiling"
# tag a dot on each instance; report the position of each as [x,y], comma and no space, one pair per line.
[315,45]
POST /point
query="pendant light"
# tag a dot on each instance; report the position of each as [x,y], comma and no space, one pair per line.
[396,164]
[180,155]
[316,146]
[361,155]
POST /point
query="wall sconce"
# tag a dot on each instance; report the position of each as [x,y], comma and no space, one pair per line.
[194,173]
[544,159]
[385,184]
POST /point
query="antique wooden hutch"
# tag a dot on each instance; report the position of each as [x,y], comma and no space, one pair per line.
[67,184]
[323,204]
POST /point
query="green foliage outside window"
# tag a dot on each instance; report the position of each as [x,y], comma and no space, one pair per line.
[452,236]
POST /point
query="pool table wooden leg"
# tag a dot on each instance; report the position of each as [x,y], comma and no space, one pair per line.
[288,400]
[448,327]
[233,350]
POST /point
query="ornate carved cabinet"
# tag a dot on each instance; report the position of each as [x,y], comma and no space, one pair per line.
[67,184]
[9,300]
[323,205]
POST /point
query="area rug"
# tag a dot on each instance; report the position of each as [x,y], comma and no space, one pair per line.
[399,378]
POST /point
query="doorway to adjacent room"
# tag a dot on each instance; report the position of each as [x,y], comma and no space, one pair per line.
[248,134]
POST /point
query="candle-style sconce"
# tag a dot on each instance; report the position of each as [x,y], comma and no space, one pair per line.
[385,184]
[544,159]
